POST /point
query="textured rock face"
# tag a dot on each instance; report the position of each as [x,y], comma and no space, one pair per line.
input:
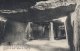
[42,5]
[15,31]
[76,29]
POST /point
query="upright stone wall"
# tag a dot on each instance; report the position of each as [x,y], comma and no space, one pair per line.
[15,32]
[76,27]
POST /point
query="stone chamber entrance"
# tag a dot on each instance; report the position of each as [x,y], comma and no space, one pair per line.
[41,30]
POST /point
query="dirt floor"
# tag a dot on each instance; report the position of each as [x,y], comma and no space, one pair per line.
[38,45]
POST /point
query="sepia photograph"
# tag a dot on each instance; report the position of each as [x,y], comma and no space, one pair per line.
[39,25]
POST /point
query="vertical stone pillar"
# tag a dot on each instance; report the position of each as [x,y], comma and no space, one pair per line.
[51,32]
[59,32]
[77,29]
[65,29]
[28,30]
[70,32]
